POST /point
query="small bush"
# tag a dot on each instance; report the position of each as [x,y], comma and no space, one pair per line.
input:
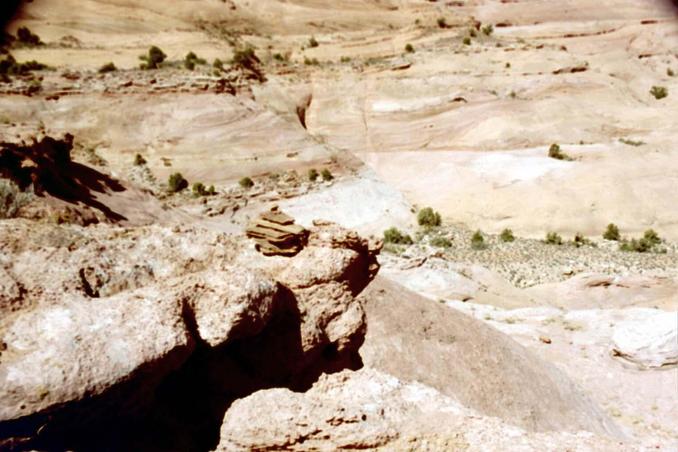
[428,217]
[579,240]
[192,60]
[556,153]
[612,232]
[631,142]
[652,237]
[478,241]
[311,61]
[108,67]
[467,41]
[409,48]
[153,59]
[507,236]
[9,66]
[218,64]
[670,72]
[635,245]
[139,160]
[393,235]
[312,174]
[211,191]
[177,183]
[442,23]
[312,42]
[659,92]
[441,242]
[326,174]
[27,37]
[199,189]
[246,183]
[345,59]
[553,238]
[488,29]
[12,199]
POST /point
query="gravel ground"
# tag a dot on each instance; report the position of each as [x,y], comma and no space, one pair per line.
[529,262]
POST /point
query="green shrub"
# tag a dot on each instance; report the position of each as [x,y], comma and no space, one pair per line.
[442,23]
[154,58]
[670,72]
[246,182]
[466,41]
[218,64]
[326,174]
[9,66]
[556,153]
[652,237]
[26,37]
[311,61]
[211,191]
[312,42]
[12,199]
[177,183]
[441,242]
[553,238]
[579,240]
[108,67]
[472,32]
[612,232]
[635,245]
[428,217]
[199,189]
[487,29]
[345,59]
[192,60]
[507,236]
[139,160]
[312,174]
[409,48]
[659,92]
[478,241]
[393,235]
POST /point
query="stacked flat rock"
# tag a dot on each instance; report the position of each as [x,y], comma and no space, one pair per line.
[276,234]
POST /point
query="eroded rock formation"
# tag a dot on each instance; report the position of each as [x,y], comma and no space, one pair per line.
[113,337]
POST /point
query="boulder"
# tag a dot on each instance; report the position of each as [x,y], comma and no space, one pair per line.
[275,234]
[650,342]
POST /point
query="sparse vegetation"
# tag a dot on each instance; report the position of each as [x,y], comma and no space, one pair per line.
[556,153]
[507,236]
[659,92]
[139,160]
[218,64]
[670,72]
[192,60]
[579,240]
[311,61]
[9,66]
[487,29]
[647,243]
[313,42]
[176,183]
[631,142]
[153,59]
[12,199]
[345,59]
[478,241]
[393,235]
[466,41]
[427,217]
[246,183]
[326,174]
[409,48]
[313,174]
[26,37]
[612,232]
[199,189]
[108,67]
[553,238]
[442,23]
[441,242]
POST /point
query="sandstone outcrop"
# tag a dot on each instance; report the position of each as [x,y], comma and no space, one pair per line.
[650,342]
[107,325]
[372,410]
[276,234]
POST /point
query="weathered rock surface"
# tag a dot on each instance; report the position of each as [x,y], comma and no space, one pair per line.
[649,344]
[276,234]
[105,322]
[416,339]
[372,410]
